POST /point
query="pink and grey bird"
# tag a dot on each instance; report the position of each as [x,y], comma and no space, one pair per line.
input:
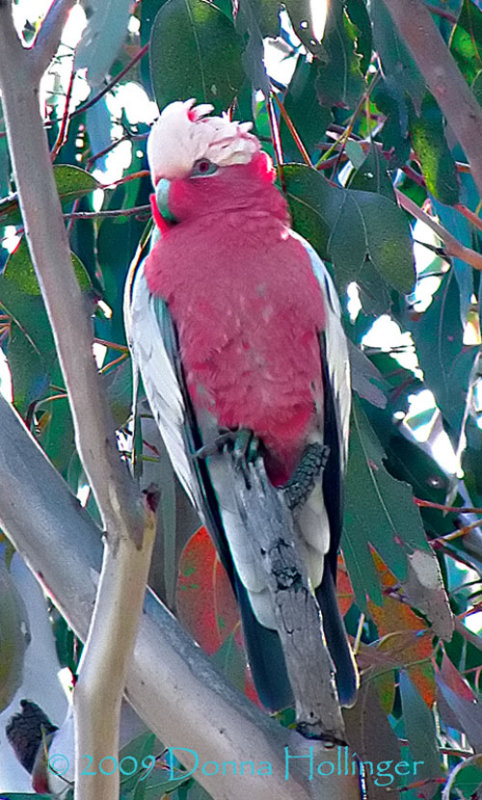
[234,323]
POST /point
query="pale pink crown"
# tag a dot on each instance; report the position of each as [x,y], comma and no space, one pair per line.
[184,133]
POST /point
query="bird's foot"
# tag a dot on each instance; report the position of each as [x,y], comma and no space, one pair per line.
[302,482]
[242,444]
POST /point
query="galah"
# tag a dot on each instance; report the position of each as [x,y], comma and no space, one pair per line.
[234,324]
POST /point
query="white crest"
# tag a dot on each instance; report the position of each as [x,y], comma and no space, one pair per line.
[184,133]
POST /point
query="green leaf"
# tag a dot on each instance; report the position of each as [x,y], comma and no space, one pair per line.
[477,87]
[14,637]
[57,432]
[195,52]
[467,713]
[436,161]
[420,729]
[30,348]
[117,384]
[20,270]
[117,242]
[106,31]
[67,646]
[379,511]
[446,366]
[472,461]
[231,660]
[466,41]
[357,12]
[72,183]
[458,226]
[4,162]
[248,27]
[364,235]
[468,780]
[370,735]
[389,99]
[305,24]
[22,796]
[302,105]
[267,13]
[138,748]
[371,175]
[396,59]
[339,79]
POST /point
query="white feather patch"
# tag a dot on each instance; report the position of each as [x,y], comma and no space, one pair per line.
[184,133]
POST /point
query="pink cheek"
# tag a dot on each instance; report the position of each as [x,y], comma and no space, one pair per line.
[181,200]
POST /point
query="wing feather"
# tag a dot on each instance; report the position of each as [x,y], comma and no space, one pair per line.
[153,342]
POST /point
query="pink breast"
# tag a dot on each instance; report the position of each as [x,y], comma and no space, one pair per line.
[248,310]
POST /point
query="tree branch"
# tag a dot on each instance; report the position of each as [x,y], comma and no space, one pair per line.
[298,619]
[121,590]
[171,683]
[443,78]
[453,247]
[48,38]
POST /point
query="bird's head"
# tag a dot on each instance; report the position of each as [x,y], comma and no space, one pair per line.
[203,164]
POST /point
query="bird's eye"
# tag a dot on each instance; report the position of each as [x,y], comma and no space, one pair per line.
[203,167]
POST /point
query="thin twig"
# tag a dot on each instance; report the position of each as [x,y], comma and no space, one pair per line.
[111,212]
[62,137]
[292,130]
[47,40]
[449,537]
[452,246]
[471,637]
[441,12]
[442,507]
[110,85]
[468,214]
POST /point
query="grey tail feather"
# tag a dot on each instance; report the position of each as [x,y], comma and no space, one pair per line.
[265,656]
[340,651]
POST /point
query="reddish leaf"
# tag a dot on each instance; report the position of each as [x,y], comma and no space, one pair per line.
[403,635]
[204,600]
[453,679]
[344,589]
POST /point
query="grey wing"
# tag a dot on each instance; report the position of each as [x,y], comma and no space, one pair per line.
[321,521]
[336,348]
[145,316]
[153,343]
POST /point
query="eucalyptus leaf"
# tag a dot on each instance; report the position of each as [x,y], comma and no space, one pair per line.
[306,19]
[379,513]
[248,27]
[466,40]
[339,79]
[396,59]
[446,366]
[20,271]
[420,729]
[72,182]
[309,118]
[14,637]
[195,52]
[106,31]
[436,161]
[364,235]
